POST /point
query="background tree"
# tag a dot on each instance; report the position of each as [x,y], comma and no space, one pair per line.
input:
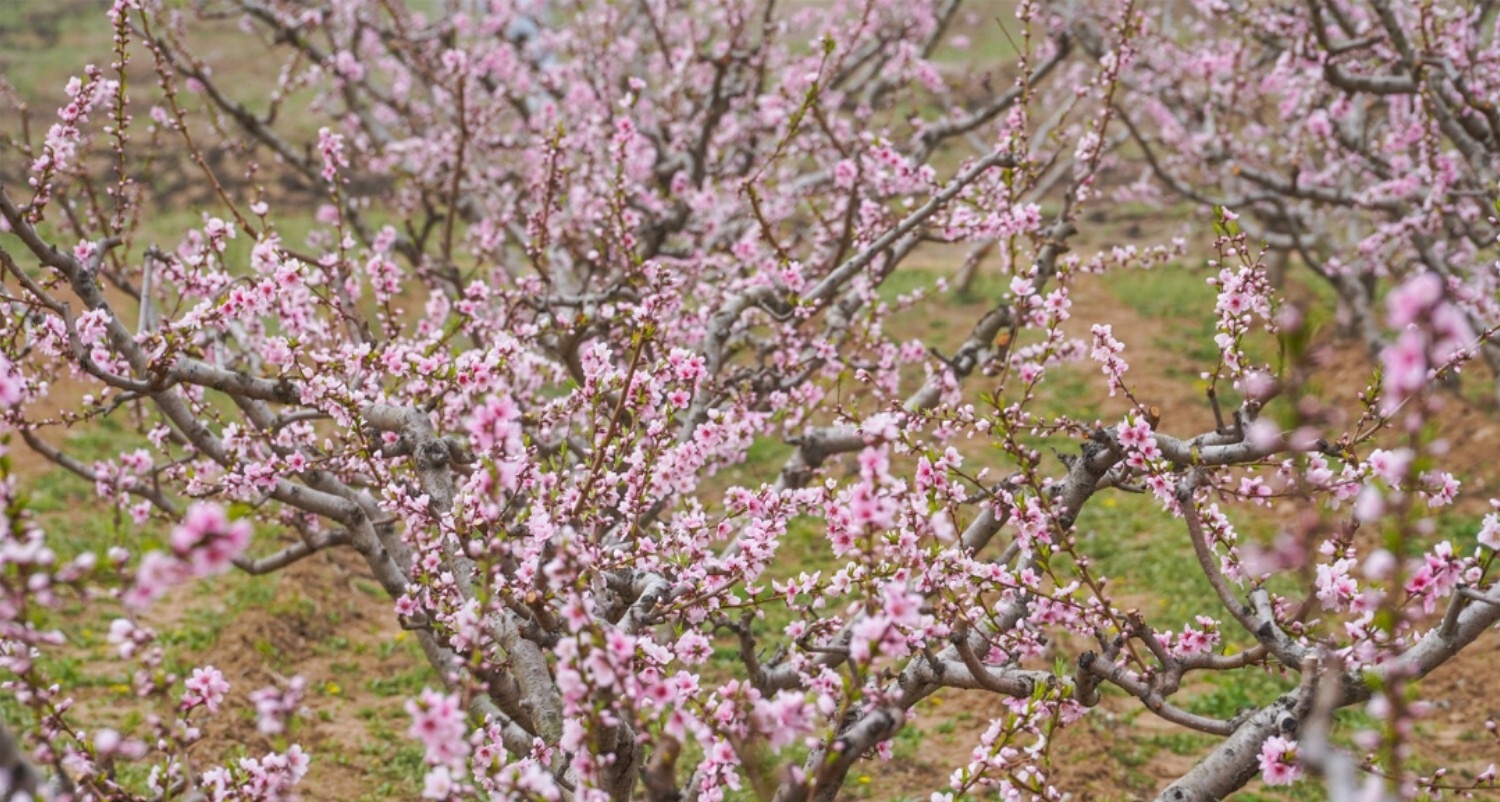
[496,295]
[1360,138]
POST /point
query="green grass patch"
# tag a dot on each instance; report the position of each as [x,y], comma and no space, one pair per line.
[1178,294]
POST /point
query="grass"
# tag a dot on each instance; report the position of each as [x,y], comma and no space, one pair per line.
[1148,553]
[1234,692]
[401,684]
[398,763]
[47,42]
[1178,295]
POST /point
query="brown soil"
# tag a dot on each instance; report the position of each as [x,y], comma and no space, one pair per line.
[328,627]
[324,628]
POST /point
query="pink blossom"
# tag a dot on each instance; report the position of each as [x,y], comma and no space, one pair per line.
[438,784]
[10,384]
[331,147]
[1390,466]
[1278,761]
[205,687]
[1336,589]
[693,648]
[157,574]
[1369,505]
[274,705]
[1106,352]
[1379,565]
[1133,434]
[494,426]
[438,722]
[1404,367]
[1489,532]
[1414,298]
[208,541]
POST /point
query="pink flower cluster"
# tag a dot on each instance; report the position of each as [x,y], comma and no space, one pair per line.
[331,148]
[12,386]
[1433,334]
[205,688]
[1107,353]
[273,705]
[204,544]
[1135,436]
[439,722]
[271,778]
[1278,761]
